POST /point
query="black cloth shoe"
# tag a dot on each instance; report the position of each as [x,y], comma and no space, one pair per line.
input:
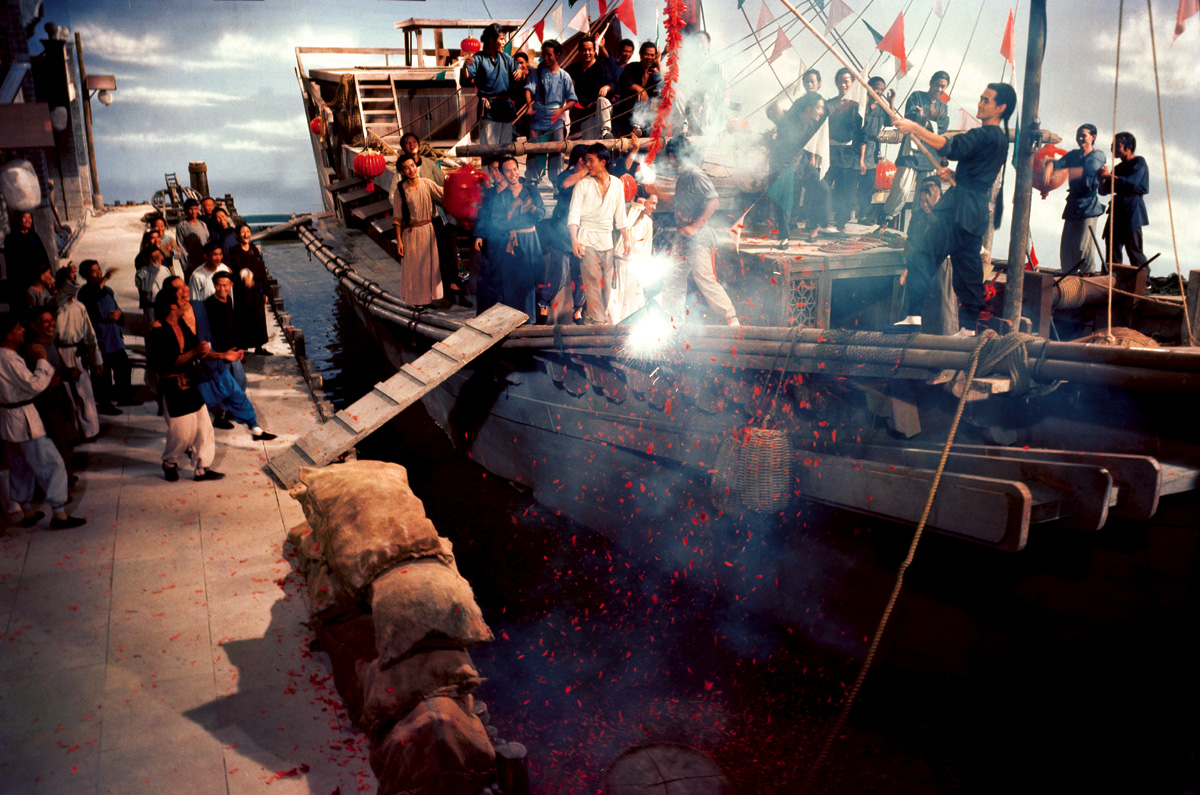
[210,474]
[67,523]
[222,423]
[30,521]
[171,472]
[263,436]
[108,409]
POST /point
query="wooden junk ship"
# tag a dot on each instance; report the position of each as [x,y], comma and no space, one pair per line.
[801,403]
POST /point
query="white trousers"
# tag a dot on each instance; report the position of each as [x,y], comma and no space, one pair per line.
[83,399]
[192,436]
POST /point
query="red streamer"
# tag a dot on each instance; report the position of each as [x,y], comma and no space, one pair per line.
[676,11]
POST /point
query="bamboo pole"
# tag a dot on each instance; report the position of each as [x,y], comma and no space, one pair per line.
[536,148]
[937,163]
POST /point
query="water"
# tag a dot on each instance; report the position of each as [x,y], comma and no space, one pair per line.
[1067,667]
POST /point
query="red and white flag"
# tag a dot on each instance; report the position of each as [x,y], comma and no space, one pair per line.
[1006,44]
[838,11]
[782,42]
[893,43]
[1187,8]
[764,17]
[626,17]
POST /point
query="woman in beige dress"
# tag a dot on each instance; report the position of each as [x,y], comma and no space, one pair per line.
[412,216]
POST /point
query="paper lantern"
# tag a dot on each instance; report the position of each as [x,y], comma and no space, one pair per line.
[317,126]
[470,45]
[885,172]
[630,185]
[463,193]
[1057,178]
[369,164]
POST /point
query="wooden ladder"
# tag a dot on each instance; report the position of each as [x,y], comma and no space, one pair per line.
[388,398]
[380,109]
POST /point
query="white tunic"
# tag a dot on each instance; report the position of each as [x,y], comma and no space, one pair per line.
[18,384]
[597,215]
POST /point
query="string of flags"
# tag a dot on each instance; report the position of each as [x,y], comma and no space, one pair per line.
[582,19]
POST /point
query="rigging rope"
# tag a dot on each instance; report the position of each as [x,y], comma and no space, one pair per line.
[967,49]
[840,721]
[1167,179]
[1111,226]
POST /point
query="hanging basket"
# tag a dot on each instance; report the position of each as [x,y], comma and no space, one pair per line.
[753,469]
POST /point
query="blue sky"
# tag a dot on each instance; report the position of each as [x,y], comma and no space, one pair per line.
[214,80]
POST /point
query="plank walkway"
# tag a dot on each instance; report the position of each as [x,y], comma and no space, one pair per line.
[160,647]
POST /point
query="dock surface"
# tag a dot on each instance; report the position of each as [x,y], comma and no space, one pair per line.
[161,646]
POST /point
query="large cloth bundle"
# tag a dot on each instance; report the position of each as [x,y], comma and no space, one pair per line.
[439,748]
[365,517]
[424,604]
[391,694]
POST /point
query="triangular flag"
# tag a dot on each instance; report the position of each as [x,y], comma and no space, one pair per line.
[1006,44]
[1033,260]
[572,2]
[580,21]
[783,193]
[838,11]
[893,42]
[818,145]
[740,3]
[764,17]
[603,7]
[539,28]
[782,42]
[625,16]
[874,33]
[966,121]
[440,76]
[556,15]
[508,47]
[1187,8]
[937,8]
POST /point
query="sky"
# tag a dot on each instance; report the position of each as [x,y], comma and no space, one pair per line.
[214,80]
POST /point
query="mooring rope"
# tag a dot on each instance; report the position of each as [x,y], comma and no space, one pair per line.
[840,721]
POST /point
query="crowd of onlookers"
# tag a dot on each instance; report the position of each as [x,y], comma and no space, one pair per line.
[64,361]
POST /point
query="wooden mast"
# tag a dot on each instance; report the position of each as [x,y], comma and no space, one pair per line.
[1018,241]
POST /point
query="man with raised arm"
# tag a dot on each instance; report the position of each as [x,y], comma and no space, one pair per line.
[1083,167]
[490,72]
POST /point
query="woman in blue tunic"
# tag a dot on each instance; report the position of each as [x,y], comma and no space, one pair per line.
[961,217]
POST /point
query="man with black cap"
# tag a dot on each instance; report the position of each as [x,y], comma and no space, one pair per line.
[490,72]
[32,457]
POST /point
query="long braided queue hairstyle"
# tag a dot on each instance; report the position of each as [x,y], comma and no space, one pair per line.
[1006,95]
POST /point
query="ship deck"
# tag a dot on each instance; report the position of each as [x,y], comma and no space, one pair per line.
[163,641]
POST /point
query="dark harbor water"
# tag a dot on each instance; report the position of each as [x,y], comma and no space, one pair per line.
[1069,667]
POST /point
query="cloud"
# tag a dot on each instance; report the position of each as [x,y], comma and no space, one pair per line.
[1177,66]
[176,97]
[192,140]
[289,127]
[235,48]
[146,50]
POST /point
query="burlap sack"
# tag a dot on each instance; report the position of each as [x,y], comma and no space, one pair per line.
[365,517]
[389,695]
[327,599]
[309,554]
[439,748]
[348,643]
[424,604]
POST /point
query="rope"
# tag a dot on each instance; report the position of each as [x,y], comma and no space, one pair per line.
[968,47]
[840,721]
[1112,226]
[1167,178]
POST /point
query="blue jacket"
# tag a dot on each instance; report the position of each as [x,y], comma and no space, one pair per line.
[1133,182]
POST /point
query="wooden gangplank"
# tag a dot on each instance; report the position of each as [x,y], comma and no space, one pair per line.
[388,398]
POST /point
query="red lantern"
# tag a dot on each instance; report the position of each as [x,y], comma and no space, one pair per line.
[470,45]
[463,192]
[369,164]
[630,185]
[885,172]
[317,126]
[1057,178]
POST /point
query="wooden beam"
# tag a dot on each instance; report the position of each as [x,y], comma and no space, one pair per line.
[26,125]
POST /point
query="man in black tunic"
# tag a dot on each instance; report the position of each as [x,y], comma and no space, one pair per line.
[961,217]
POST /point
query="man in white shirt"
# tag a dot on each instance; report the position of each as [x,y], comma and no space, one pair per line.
[191,235]
[201,283]
[32,457]
[80,350]
[597,208]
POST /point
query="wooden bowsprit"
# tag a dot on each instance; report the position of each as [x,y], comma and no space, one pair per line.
[388,398]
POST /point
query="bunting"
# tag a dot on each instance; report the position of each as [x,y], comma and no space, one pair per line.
[580,21]
[764,17]
[893,42]
[838,11]
[603,7]
[782,43]
[937,8]
[539,28]
[556,15]
[874,34]
[1006,44]
[626,18]
[1187,8]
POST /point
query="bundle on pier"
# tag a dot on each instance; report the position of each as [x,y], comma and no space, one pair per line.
[389,606]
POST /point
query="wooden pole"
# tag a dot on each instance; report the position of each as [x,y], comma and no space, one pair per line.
[97,199]
[937,163]
[535,148]
[1018,241]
